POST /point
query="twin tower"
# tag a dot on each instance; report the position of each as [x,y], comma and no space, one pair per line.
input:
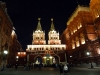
[39,35]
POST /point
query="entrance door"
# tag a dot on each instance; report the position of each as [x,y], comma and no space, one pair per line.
[48,61]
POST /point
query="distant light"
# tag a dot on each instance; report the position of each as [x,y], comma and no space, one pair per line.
[98,49]
[5,52]
[17,57]
[18,52]
[97,15]
[71,56]
[44,57]
[50,57]
[88,53]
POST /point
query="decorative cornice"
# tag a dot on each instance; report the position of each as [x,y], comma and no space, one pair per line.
[75,13]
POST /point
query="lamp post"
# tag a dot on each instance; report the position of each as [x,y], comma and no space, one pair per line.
[4,63]
[88,54]
[17,58]
[5,54]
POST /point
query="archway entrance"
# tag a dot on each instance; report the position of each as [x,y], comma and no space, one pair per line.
[56,60]
[49,60]
[38,60]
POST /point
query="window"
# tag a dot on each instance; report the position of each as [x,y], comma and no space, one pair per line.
[41,38]
[62,48]
[46,48]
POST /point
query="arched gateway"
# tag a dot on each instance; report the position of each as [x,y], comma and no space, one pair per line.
[46,60]
[40,52]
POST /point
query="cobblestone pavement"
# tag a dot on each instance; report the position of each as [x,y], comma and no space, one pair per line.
[50,71]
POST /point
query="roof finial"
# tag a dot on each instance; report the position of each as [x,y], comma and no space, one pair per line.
[51,19]
[39,19]
[52,25]
[77,2]
[39,25]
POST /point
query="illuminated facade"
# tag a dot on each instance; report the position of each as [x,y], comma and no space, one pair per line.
[6,27]
[80,36]
[95,10]
[9,45]
[20,58]
[14,47]
[40,52]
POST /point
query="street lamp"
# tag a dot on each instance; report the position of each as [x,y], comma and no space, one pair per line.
[5,55]
[5,52]
[17,58]
[88,54]
[71,56]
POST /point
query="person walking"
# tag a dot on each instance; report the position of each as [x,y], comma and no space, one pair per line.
[65,68]
[24,66]
[16,66]
[68,67]
[40,65]
[29,66]
[61,68]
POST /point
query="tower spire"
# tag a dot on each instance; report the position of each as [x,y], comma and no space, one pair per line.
[39,25]
[52,25]
[77,2]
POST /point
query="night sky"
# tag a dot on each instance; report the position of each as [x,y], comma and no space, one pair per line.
[25,13]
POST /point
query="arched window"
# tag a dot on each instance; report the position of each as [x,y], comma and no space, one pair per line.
[73,44]
[75,28]
[82,38]
[77,42]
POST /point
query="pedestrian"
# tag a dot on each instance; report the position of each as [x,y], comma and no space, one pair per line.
[24,66]
[16,66]
[61,68]
[65,68]
[2,68]
[39,65]
[68,67]
[29,66]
